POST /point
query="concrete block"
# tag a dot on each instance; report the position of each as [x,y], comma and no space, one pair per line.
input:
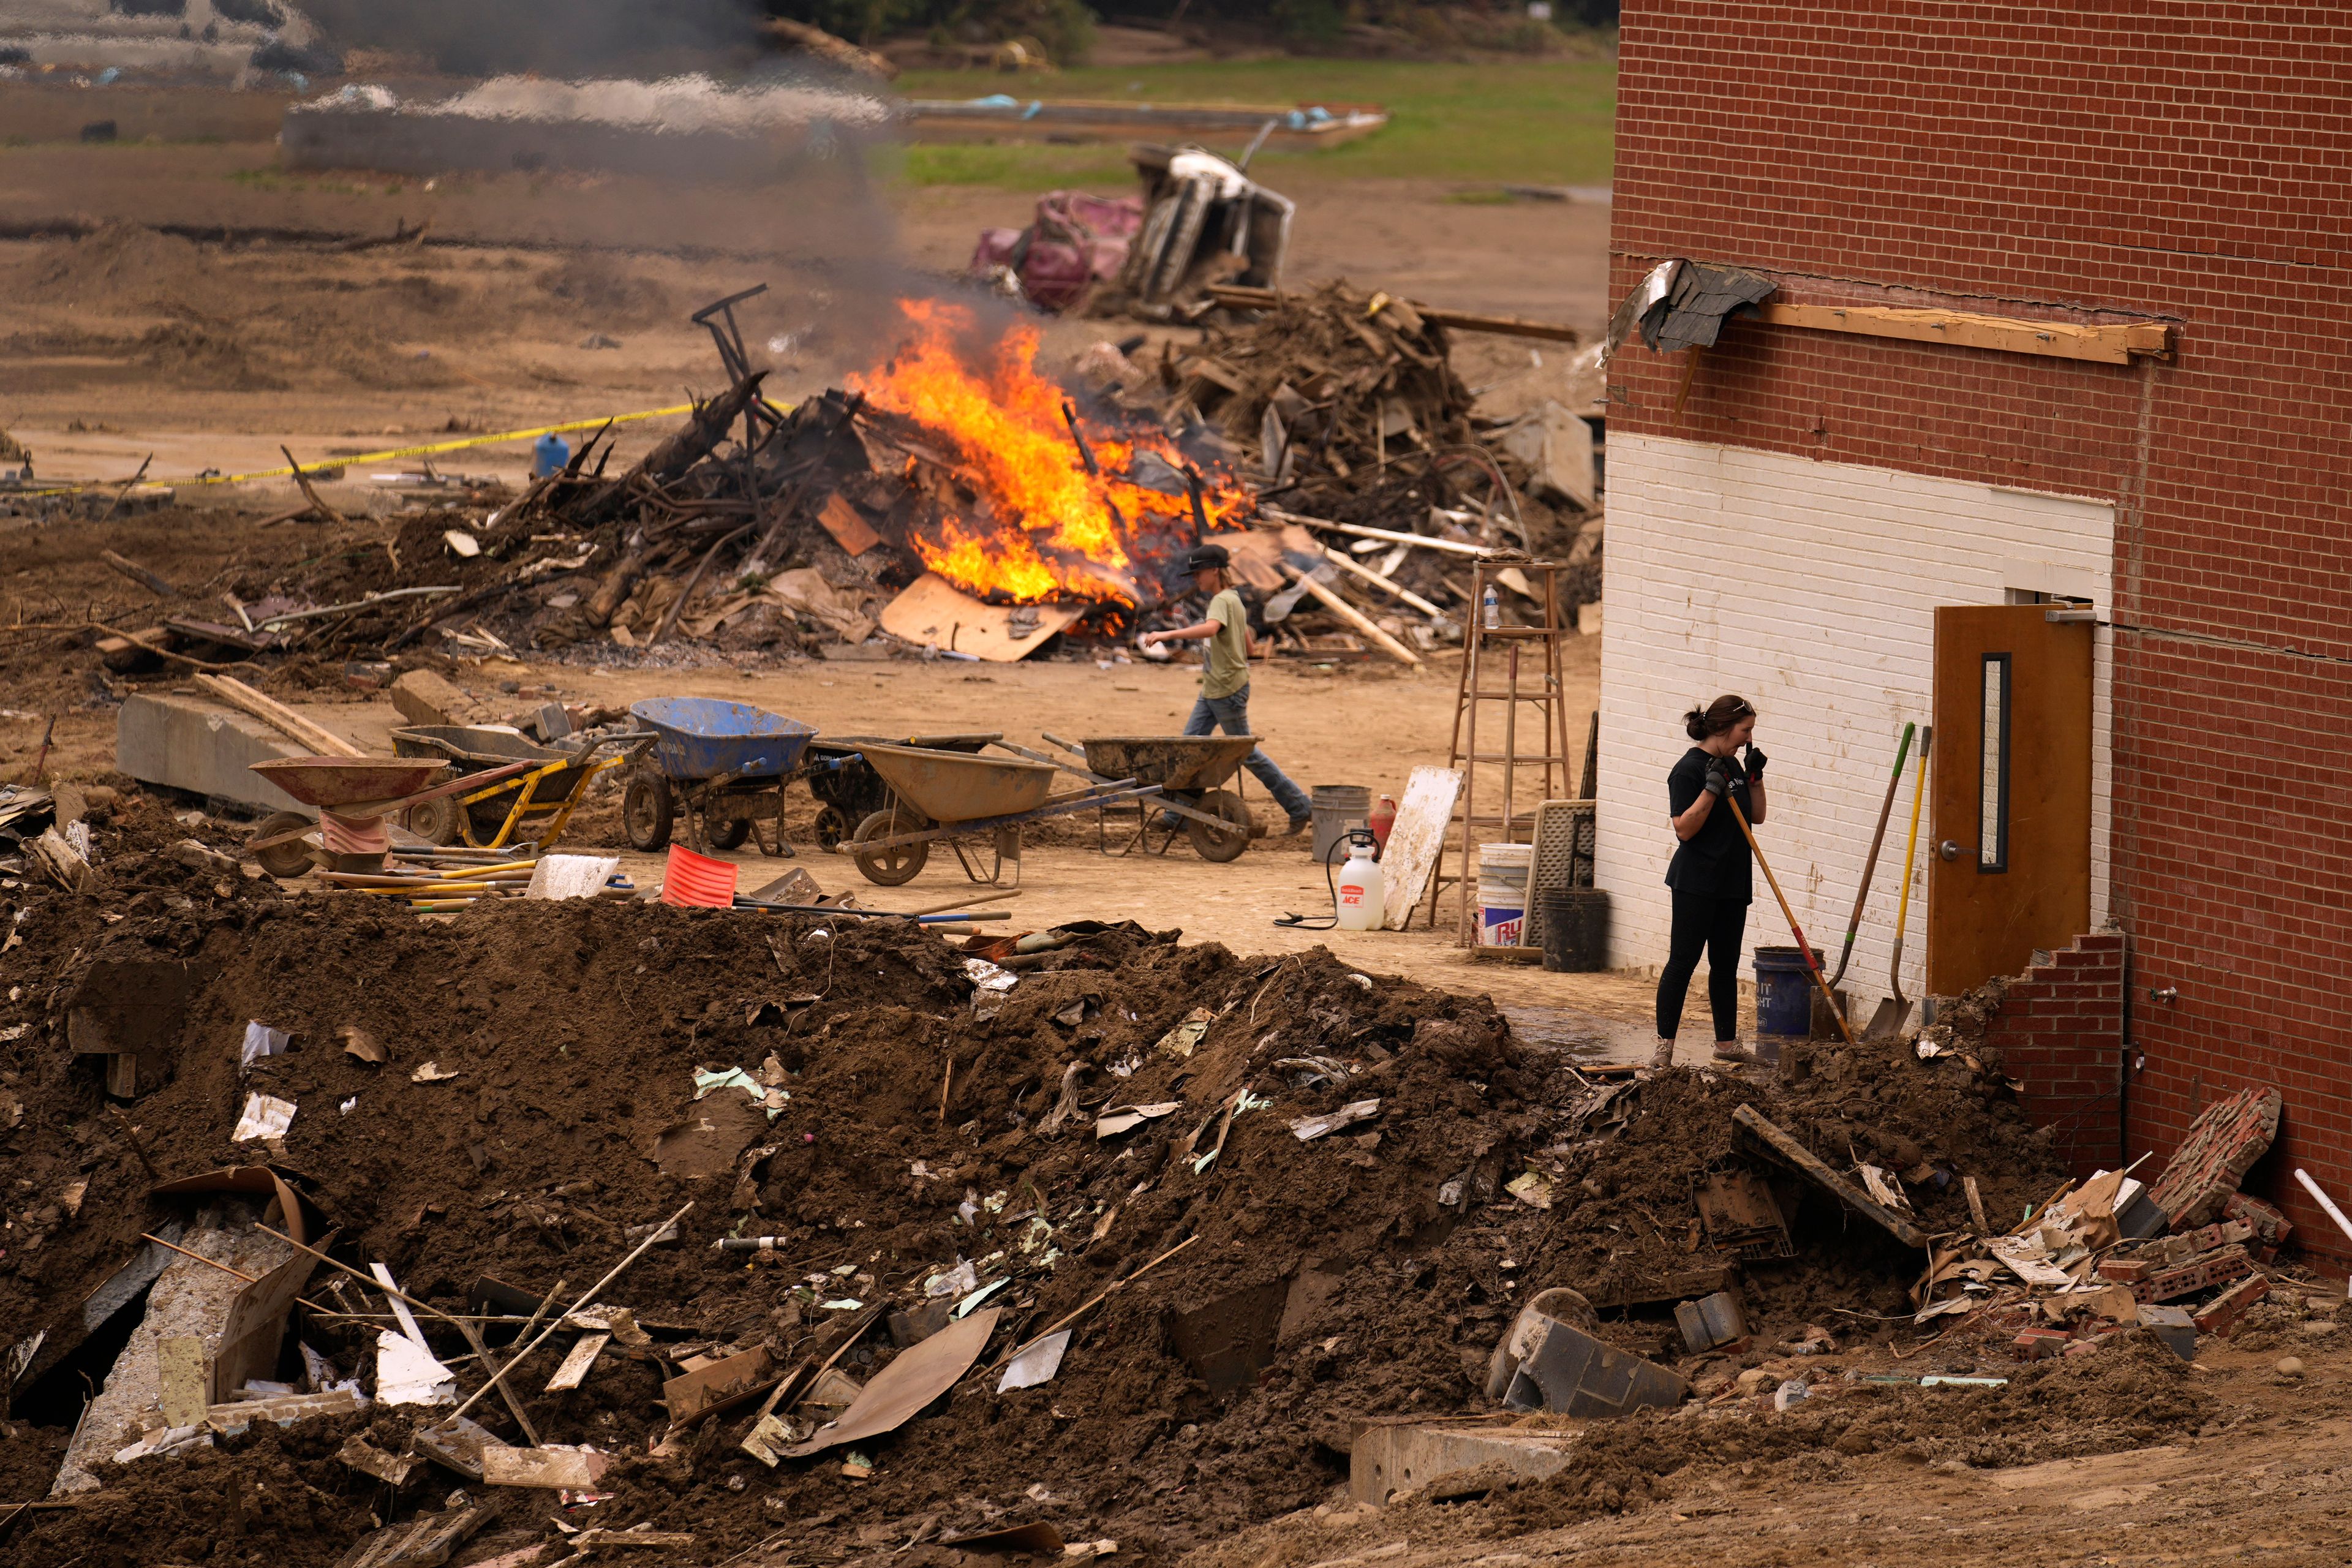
[421,697]
[2175,1327]
[1710,1321]
[2220,1315]
[1389,1458]
[188,743]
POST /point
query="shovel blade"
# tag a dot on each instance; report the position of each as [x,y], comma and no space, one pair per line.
[1893,1014]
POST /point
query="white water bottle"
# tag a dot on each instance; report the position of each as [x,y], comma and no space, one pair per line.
[1493,608]
[1362,897]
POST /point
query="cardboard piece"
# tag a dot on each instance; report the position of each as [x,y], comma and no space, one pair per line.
[934,613]
[265,1118]
[1416,840]
[406,1373]
[912,1382]
[805,592]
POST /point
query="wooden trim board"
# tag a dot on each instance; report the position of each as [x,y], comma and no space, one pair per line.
[2108,343]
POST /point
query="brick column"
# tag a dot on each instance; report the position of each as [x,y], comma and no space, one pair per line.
[2060,1031]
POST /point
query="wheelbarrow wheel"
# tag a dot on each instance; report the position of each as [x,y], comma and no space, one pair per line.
[731,833]
[437,821]
[648,811]
[896,865]
[832,826]
[1220,843]
[291,860]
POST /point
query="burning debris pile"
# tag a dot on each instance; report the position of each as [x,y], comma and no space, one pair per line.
[792,1235]
[957,500]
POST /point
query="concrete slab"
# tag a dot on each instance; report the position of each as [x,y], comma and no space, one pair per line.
[206,748]
[191,1300]
[1393,1456]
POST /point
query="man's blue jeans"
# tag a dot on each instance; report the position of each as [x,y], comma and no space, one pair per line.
[1232,715]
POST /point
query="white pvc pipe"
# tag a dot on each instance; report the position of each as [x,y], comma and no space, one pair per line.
[2332,1212]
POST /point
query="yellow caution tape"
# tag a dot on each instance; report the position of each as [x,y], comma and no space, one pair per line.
[385,456]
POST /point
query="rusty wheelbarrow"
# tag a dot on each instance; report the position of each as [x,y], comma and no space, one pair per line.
[951,795]
[1188,769]
[353,795]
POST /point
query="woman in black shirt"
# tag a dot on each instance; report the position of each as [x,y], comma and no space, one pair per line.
[1710,873]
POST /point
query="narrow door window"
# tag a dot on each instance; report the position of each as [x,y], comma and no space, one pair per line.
[1992,793]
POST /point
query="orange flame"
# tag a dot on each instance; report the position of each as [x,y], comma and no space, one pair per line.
[1042,527]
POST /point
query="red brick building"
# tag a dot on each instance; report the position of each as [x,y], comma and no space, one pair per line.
[2184,169]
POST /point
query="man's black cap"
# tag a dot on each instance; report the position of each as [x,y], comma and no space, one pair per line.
[1206,556]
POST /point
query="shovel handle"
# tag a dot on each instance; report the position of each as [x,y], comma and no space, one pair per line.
[1870,862]
[1804,947]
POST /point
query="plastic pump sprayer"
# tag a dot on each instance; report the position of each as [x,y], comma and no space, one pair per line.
[1359,892]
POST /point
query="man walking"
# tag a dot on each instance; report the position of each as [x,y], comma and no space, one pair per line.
[1224,678]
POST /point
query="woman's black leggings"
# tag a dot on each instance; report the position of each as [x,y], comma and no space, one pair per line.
[1712,925]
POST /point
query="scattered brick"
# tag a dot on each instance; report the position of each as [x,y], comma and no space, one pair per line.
[2040,1344]
[2220,1315]
[2198,1273]
[2125,1270]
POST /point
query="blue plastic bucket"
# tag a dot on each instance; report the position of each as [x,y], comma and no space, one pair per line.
[1784,991]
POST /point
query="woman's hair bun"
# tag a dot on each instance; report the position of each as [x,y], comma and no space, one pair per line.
[1715,717]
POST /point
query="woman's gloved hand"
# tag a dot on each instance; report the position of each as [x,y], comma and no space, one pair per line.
[1756,759]
[1718,775]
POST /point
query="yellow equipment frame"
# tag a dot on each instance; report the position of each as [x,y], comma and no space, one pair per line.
[524,786]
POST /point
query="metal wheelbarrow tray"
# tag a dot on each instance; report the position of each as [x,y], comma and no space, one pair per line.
[726,762]
[548,786]
[848,791]
[358,791]
[1188,768]
[946,794]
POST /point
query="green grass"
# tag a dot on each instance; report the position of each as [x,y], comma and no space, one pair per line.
[1522,123]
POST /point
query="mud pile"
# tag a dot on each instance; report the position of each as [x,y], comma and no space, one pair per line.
[1365,1273]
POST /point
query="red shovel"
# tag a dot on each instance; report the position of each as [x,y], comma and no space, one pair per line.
[1812,966]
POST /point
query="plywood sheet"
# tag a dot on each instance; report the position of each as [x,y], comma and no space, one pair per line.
[1416,838]
[935,614]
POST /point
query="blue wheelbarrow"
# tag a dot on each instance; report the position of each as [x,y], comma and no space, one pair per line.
[725,764]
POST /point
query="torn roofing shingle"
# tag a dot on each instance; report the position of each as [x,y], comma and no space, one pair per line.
[1694,311]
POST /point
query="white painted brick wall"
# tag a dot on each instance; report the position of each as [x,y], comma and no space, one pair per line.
[1808,587]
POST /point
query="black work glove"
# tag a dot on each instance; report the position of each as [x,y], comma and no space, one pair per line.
[1718,777]
[1755,761]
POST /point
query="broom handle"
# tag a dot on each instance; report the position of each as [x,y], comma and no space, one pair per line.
[1804,947]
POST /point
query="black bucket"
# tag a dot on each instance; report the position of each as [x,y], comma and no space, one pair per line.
[1575,929]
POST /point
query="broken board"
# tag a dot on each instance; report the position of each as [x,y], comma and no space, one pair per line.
[934,613]
[1777,1143]
[1416,839]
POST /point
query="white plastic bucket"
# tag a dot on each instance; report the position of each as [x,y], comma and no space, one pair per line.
[1502,914]
[1506,865]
